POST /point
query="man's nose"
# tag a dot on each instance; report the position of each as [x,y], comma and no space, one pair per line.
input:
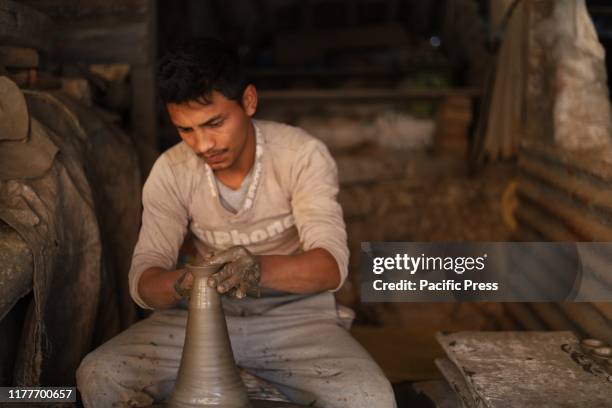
[204,142]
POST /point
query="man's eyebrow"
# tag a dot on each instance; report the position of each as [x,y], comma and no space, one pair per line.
[211,120]
[208,122]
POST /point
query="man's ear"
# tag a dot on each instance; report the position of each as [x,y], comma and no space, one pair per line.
[249,100]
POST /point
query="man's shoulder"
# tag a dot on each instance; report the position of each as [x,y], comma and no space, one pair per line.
[172,164]
[178,154]
[285,138]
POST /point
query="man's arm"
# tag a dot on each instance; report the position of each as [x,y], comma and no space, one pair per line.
[313,271]
[164,225]
[243,273]
[162,289]
[310,272]
[318,217]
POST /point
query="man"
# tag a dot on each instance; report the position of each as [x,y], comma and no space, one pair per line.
[261,197]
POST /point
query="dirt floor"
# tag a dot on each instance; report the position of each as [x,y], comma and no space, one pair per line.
[441,203]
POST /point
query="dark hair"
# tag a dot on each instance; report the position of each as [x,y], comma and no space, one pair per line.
[196,69]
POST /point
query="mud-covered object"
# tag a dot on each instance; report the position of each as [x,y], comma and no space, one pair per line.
[58,224]
[21,137]
[13,111]
[111,165]
[79,219]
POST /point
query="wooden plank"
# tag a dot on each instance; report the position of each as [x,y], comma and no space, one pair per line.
[106,44]
[342,73]
[144,114]
[365,94]
[23,26]
[586,227]
[35,79]
[439,393]
[72,10]
[594,163]
[542,223]
[18,57]
[506,103]
[524,369]
[583,189]
[144,118]
[454,378]
[295,47]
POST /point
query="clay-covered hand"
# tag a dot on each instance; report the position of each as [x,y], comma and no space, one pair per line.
[182,285]
[239,276]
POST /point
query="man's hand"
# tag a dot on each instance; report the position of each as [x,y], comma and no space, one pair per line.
[182,285]
[240,275]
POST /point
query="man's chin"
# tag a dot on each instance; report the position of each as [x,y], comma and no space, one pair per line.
[218,166]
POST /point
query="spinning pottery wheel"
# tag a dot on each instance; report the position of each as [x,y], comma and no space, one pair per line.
[208,376]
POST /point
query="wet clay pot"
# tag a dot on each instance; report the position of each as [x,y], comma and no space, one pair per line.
[207,376]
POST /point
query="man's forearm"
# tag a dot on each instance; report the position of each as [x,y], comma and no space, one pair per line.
[156,287]
[313,271]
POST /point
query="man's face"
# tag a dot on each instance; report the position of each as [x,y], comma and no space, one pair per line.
[217,132]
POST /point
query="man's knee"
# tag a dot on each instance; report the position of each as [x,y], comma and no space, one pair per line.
[378,390]
[93,380]
[98,384]
[86,373]
[367,387]
[105,380]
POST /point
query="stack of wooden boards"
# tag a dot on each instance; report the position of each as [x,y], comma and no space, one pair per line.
[517,369]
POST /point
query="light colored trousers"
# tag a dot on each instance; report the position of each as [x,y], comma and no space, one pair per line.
[296,343]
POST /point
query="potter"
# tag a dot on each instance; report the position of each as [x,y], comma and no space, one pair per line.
[234,174]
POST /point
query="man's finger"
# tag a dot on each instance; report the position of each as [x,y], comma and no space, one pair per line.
[216,278]
[183,284]
[229,255]
[188,282]
[229,283]
[241,291]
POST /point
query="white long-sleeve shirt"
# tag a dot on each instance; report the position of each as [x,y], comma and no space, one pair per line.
[290,205]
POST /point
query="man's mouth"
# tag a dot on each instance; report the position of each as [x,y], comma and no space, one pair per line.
[215,157]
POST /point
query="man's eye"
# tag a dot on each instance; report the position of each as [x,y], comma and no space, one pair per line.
[215,124]
[184,130]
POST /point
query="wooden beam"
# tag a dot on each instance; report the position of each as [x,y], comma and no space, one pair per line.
[365,94]
[297,47]
[142,81]
[144,118]
[18,57]
[106,44]
[580,223]
[23,26]
[343,73]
